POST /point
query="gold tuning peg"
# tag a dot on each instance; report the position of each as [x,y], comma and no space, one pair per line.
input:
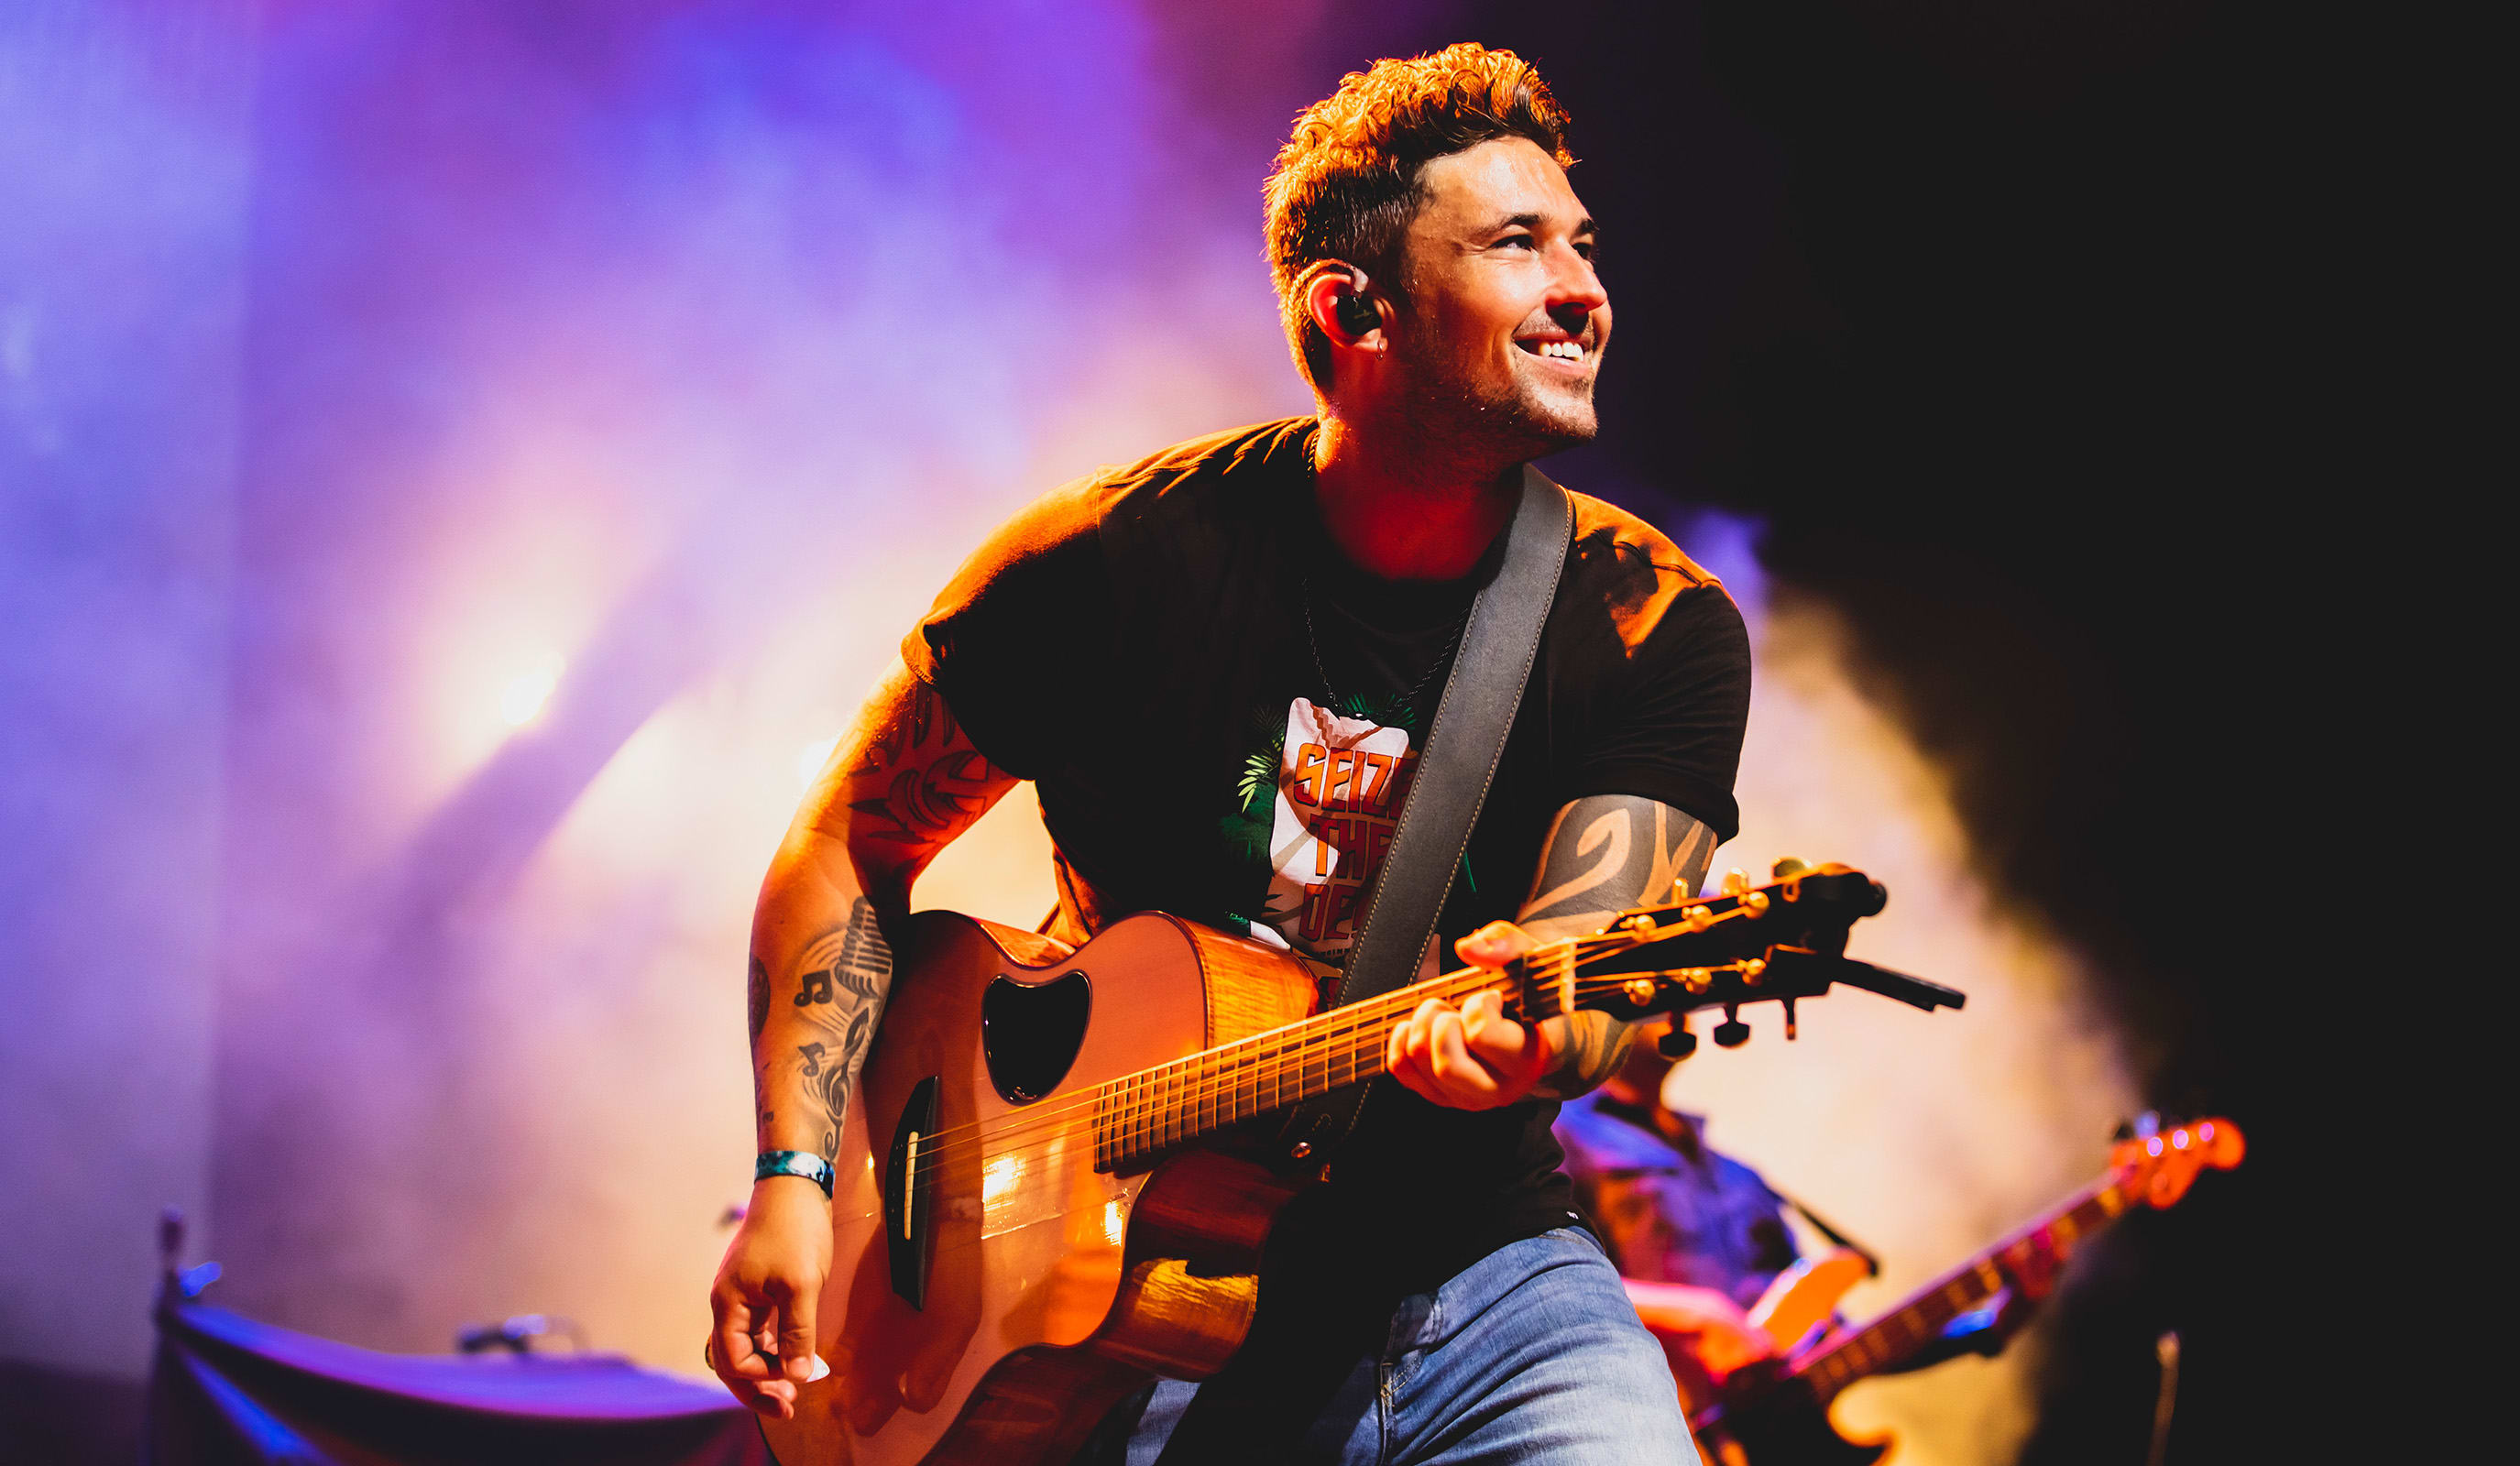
[1788,868]
[1737,881]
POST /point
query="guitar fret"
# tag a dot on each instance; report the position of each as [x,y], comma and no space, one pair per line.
[1134,1116]
[1172,1104]
[1120,1122]
[1894,1335]
[1120,1143]
[1141,1121]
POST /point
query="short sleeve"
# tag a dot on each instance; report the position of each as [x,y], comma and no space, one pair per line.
[1673,733]
[1011,635]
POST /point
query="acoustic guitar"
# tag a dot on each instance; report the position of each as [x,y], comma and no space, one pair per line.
[1059,1170]
[1782,1418]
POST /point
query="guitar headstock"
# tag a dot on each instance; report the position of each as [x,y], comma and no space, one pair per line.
[1779,942]
[2157,1166]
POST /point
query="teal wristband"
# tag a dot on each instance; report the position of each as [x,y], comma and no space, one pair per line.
[811,1166]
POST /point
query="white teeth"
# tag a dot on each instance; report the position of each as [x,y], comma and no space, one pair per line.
[1565,350]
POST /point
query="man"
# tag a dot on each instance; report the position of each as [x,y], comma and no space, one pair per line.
[1217,666]
[1697,1235]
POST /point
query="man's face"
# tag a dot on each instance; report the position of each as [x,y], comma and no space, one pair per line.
[1504,320]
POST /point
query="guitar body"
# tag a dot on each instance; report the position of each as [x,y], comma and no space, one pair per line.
[1045,1290]
[1786,1426]
[1805,1295]
[1787,1431]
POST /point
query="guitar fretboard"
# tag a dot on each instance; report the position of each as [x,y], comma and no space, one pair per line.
[1898,1335]
[1142,1113]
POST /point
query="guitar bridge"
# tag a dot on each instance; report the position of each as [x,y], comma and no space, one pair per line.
[908,1210]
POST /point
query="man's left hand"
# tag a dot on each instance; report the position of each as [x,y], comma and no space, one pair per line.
[1473,1057]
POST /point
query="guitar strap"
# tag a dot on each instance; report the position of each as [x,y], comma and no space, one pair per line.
[1463,745]
[1871,1261]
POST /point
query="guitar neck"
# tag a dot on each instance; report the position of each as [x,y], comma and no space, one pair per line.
[1900,1334]
[1139,1115]
[1153,1110]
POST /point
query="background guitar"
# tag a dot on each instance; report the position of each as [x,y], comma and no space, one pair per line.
[1779,1417]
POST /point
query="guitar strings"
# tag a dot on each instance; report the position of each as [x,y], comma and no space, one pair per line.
[1566,953]
[1160,1112]
[1167,1085]
[1163,1102]
[1301,1037]
[1137,1091]
[1160,1096]
[1881,1339]
[1292,1036]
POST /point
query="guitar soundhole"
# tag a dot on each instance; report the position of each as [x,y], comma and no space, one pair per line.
[1030,1034]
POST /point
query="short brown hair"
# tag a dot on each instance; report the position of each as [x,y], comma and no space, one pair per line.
[1347,180]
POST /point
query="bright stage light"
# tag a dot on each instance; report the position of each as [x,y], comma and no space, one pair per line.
[527,692]
[811,758]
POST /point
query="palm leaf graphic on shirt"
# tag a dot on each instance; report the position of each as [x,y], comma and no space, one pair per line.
[1260,768]
[1259,777]
[1245,829]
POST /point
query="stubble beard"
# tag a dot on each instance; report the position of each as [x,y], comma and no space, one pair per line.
[1512,421]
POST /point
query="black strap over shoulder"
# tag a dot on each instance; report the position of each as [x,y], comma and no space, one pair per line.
[1453,771]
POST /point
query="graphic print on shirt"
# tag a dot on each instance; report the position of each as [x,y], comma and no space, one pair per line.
[1317,805]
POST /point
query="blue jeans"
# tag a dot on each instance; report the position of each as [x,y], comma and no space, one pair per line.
[1531,1355]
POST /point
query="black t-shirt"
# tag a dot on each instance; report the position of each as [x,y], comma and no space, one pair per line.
[1221,715]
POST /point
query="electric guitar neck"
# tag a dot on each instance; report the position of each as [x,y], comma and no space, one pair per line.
[2031,1253]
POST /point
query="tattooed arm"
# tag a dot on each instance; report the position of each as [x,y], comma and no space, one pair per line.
[903,783]
[1603,853]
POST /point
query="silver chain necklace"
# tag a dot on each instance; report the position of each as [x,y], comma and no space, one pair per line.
[1312,640]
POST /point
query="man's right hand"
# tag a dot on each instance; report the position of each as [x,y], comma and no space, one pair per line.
[762,1341]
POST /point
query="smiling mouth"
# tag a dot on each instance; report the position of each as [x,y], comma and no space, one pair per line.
[1570,351]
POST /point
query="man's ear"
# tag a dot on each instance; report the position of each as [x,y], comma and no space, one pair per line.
[1338,298]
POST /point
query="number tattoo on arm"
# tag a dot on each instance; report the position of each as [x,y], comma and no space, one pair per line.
[1603,853]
